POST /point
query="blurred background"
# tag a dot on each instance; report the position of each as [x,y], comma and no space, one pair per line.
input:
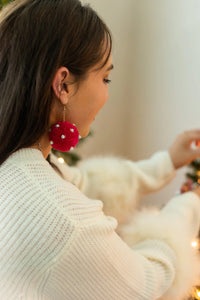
[155,89]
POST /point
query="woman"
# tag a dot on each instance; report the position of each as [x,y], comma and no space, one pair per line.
[56,243]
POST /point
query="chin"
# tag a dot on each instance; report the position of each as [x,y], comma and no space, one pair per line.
[84,133]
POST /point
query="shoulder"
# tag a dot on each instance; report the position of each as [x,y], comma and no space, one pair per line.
[30,181]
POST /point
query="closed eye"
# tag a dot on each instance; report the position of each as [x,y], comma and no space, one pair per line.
[107,81]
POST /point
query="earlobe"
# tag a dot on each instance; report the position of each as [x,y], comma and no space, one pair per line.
[59,85]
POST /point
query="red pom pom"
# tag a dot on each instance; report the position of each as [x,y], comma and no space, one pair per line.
[63,136]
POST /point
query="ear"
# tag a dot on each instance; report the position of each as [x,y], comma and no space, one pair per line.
[61,86]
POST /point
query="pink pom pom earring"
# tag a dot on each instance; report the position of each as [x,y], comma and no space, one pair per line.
[63,135]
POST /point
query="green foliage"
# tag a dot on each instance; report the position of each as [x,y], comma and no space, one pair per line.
[4,2]
[194,178]
[71,158]
[194,169]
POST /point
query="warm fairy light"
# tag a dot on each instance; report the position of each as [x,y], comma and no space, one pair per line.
[196,294]
[198,173]
[198,143]
[195,243]
[61,160]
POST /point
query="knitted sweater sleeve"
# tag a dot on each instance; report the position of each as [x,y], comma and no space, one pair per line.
[55,243]
[119,183]
[176,224]
[158,263]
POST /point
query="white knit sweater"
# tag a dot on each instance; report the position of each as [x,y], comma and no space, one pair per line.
[56,244]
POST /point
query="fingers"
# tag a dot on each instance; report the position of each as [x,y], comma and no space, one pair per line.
[192,136]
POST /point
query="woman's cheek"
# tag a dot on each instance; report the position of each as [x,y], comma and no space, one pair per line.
[106,95]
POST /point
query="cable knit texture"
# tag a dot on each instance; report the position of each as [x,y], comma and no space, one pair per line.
[57,244]
[120,183]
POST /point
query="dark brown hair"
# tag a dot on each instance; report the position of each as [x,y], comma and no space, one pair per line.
[36,38]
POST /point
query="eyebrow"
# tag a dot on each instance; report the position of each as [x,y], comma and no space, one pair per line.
[110,68]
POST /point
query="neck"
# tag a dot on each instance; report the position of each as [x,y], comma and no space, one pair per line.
[43,145]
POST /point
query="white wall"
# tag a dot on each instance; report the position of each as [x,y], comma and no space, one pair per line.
[155,90]
[110,124]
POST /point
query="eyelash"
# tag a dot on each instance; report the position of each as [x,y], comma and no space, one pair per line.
[107,81]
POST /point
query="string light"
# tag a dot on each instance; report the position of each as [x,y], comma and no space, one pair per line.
[195,244]
[196,293]
[61,160]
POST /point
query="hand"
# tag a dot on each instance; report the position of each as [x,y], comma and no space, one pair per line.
[181,152]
